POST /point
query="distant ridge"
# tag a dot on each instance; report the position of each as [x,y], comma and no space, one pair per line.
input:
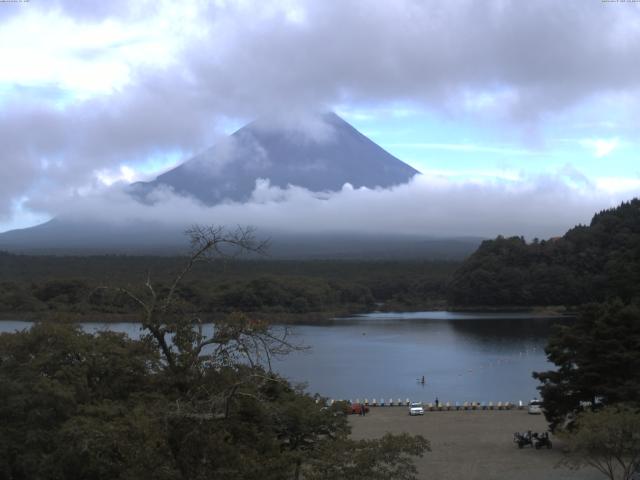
[65,237]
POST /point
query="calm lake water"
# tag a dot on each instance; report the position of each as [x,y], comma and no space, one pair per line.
[463,356]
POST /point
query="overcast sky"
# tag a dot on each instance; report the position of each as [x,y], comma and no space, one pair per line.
[523,116]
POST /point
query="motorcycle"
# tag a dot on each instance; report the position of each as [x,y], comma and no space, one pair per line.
[523,439]
[542,440]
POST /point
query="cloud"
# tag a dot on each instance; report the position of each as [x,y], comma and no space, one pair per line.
[541,206]
[82,9]
[124,174]
[601,147]
[212,162]
[506,57]
[616,185]
[47,151]
[465,147]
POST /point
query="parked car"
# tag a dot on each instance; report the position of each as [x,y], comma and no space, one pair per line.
[535,407]
[356,408]
[416,409]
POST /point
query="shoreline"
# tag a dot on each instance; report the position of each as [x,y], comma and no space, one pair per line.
[278,318]
[313,318]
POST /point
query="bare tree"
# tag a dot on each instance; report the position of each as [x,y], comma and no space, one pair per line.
[180,337]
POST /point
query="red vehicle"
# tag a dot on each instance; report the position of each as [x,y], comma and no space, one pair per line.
[356,408]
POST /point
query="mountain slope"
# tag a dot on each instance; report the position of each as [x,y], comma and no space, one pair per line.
[229,171]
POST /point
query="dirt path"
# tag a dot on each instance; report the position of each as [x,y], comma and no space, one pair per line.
[473,445]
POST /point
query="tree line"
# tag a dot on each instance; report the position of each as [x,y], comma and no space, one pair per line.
[45,287]
[588,264]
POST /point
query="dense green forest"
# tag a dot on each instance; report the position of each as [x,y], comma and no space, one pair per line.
[55,287]
[588,264]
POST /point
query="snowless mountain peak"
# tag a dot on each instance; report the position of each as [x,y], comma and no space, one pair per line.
[321,154]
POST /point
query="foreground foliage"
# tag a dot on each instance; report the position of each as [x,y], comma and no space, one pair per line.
[607,440]
[179,403]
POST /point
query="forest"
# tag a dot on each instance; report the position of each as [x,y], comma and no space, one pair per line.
[50,287]
[590,263]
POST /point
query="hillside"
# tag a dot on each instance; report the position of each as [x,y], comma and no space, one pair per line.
[589,263]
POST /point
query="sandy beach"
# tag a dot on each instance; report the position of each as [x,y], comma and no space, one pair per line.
[473,445]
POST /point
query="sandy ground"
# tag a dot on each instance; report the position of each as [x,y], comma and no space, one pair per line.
[473,445]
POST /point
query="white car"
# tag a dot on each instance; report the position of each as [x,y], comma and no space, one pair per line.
[416,409]
[535,407]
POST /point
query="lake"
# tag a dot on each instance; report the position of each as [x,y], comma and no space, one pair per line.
[478,357]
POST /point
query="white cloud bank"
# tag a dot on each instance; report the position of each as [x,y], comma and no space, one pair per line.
[542,207]
[601,147]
